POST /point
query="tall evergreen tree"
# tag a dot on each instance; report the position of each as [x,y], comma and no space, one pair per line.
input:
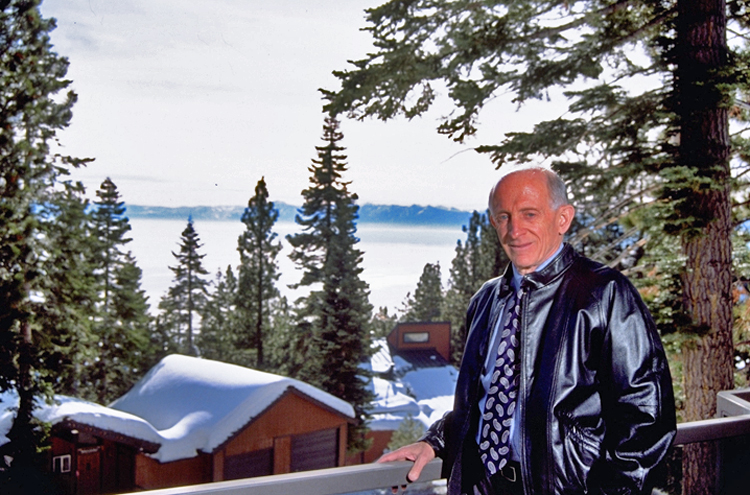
[69,289]
[479,258]
[110,227]
[428,296]
[258,271]
[186,298]
[218,335]
[650,86]
[122,322]
[337,310]
[33,107]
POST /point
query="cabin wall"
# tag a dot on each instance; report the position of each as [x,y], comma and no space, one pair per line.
[439,337]
[266,441]
[291,416]
[380,440]
[152,474]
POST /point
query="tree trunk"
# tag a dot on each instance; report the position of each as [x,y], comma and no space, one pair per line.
[22,443]
[704,147]
[259,309]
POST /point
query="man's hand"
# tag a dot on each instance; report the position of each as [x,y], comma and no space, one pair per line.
[419,453]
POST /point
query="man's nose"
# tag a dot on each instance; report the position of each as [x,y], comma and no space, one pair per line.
[512,227]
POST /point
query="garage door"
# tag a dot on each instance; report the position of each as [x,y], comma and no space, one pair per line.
[249,465]
[316,450]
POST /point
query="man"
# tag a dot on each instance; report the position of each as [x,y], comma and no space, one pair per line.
[564,386]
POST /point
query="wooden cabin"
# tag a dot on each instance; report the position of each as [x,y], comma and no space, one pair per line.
[295,433]
[191,421]
[93,449]
[223,422]
[88,460]
[414,341]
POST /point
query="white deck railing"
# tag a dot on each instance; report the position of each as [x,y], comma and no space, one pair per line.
[365,477]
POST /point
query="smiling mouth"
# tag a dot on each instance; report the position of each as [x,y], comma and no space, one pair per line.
[519,246]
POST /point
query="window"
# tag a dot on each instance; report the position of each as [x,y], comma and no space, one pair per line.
[61,464]
[416,337]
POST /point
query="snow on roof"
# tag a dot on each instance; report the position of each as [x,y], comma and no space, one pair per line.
[425,394]
[381,361]
[428,383]
[80,411]
[392,397]
[198,404]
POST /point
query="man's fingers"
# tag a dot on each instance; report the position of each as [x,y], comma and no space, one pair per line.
[416,470]
[420,453]
[414,473]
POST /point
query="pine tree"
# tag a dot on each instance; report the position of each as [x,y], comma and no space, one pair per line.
[33,107]
[337,310]
[110,227]
[218,335]
[428,296]
[69,289]
[650,88]
[409,431]
[258,271]
[478,259]
[186,298]
[279,356]
[133,354]
[122,324]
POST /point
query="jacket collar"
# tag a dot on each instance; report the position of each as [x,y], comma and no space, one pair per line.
[536,280]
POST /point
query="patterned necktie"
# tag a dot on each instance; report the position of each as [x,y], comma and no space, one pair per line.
[494,446]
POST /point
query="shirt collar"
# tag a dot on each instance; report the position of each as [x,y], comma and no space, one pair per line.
[517,277]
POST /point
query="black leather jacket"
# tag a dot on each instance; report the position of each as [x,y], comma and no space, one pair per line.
[595,408]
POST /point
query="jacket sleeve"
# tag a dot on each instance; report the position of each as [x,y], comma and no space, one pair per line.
[638,401]
[441,435]
[435,435]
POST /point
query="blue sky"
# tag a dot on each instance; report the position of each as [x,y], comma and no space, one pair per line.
[186,103]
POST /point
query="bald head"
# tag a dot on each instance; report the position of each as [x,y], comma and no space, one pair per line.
[529,210]
[558,192]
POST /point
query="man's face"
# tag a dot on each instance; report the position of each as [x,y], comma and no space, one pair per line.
[529,229]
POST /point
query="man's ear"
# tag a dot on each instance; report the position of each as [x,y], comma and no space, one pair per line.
[566,213]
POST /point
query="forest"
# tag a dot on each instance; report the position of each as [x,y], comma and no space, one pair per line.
[657,171]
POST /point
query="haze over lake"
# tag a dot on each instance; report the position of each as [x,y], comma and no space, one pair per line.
[394,255]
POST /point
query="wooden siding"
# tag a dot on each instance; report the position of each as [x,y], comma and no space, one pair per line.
[316,450]
[380,440]
[440,337]
[152,474]
[293,414]
[96,466]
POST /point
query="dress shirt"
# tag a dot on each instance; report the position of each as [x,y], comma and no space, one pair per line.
[489,362]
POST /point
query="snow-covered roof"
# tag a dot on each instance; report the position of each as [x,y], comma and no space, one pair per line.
[381,361]
[425,394]
[80,411]
[198,404]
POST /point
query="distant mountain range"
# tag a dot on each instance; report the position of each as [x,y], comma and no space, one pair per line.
[405,215]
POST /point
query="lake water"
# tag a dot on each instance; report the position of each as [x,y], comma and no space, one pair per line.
[394,255]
